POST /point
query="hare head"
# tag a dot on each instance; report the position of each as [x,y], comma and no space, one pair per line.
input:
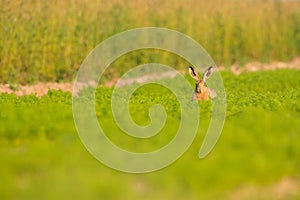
[201,91]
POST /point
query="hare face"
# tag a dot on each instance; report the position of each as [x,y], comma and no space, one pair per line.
[201,91]
[202,95]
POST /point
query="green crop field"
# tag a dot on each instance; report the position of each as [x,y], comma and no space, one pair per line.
[257,153]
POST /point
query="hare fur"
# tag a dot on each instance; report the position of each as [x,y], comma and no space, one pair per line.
[202,92]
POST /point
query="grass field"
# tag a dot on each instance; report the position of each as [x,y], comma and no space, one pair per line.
[48,40]
[258,151]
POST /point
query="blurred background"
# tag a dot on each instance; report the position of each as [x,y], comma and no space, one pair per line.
[48,40]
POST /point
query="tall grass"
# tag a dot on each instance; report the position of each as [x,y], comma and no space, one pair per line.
[47,40]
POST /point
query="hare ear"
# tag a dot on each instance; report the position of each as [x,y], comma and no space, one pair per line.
[207,73]
[193,73]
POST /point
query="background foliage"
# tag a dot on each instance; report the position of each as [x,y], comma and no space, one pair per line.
[48,40]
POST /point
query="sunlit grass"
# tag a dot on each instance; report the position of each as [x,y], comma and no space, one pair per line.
[48,40]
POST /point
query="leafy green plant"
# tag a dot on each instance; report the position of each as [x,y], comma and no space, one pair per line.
[41,153]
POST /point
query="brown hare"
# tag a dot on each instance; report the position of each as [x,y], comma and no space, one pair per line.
[201,91]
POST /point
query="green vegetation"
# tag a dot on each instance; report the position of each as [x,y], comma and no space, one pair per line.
[42,156]
[40,150]
[48,40]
